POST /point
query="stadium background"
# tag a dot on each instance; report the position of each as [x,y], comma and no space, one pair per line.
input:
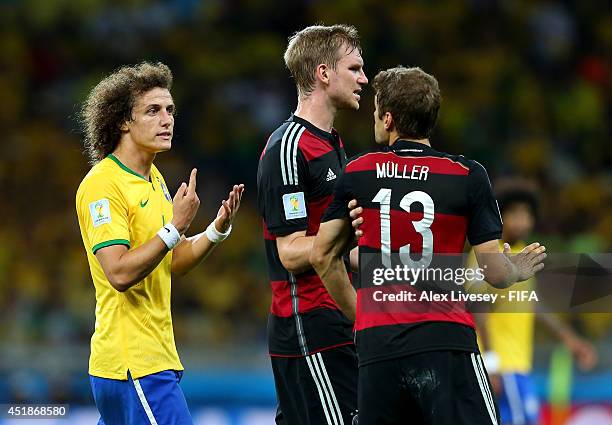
[526,91]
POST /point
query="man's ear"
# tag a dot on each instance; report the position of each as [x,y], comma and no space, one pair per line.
[322,73]
[388,121]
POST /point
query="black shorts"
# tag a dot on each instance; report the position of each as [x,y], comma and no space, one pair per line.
[320,389]
[431,388]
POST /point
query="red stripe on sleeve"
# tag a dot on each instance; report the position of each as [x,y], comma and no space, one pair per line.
[316,208]
[267,235]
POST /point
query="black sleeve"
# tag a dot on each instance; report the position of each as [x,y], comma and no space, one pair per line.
[338,207]
[484,222]
[282,193]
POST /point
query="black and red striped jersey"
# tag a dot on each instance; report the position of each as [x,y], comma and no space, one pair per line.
[416,200]
[295,179]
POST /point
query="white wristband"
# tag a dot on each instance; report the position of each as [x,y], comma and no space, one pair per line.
[491,361]
[169,235]
[214,235]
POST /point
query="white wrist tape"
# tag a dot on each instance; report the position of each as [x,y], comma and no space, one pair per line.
[169,235]
[491,361]
[214,235]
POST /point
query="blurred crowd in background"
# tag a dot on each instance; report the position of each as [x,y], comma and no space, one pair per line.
[527,91]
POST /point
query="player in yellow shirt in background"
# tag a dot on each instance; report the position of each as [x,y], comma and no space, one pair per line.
[506,339]
[134,235]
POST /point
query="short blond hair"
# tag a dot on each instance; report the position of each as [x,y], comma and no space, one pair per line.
[313,46]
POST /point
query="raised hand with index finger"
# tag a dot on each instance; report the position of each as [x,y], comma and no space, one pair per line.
[185,204]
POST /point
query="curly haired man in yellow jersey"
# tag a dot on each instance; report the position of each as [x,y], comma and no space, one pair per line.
[506,339]
[134,235]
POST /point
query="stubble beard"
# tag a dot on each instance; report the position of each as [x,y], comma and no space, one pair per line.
[347,103]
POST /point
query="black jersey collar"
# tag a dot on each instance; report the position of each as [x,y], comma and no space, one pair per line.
[332,137]
[408,146]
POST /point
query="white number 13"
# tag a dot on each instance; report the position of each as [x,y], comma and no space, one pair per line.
[383,197]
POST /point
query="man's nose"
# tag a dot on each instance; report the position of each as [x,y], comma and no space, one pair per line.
[166,118]
[362,78]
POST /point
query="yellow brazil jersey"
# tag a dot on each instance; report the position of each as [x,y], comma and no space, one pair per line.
[510,335]
[133,330]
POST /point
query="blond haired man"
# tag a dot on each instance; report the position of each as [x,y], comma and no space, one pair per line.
[310,339]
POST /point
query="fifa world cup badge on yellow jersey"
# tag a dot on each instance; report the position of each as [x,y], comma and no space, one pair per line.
[100,212]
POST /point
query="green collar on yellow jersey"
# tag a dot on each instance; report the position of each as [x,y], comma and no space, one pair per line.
[122,165]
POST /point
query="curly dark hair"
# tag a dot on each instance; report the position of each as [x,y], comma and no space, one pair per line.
[110,104]
[512,191]
[413,98]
